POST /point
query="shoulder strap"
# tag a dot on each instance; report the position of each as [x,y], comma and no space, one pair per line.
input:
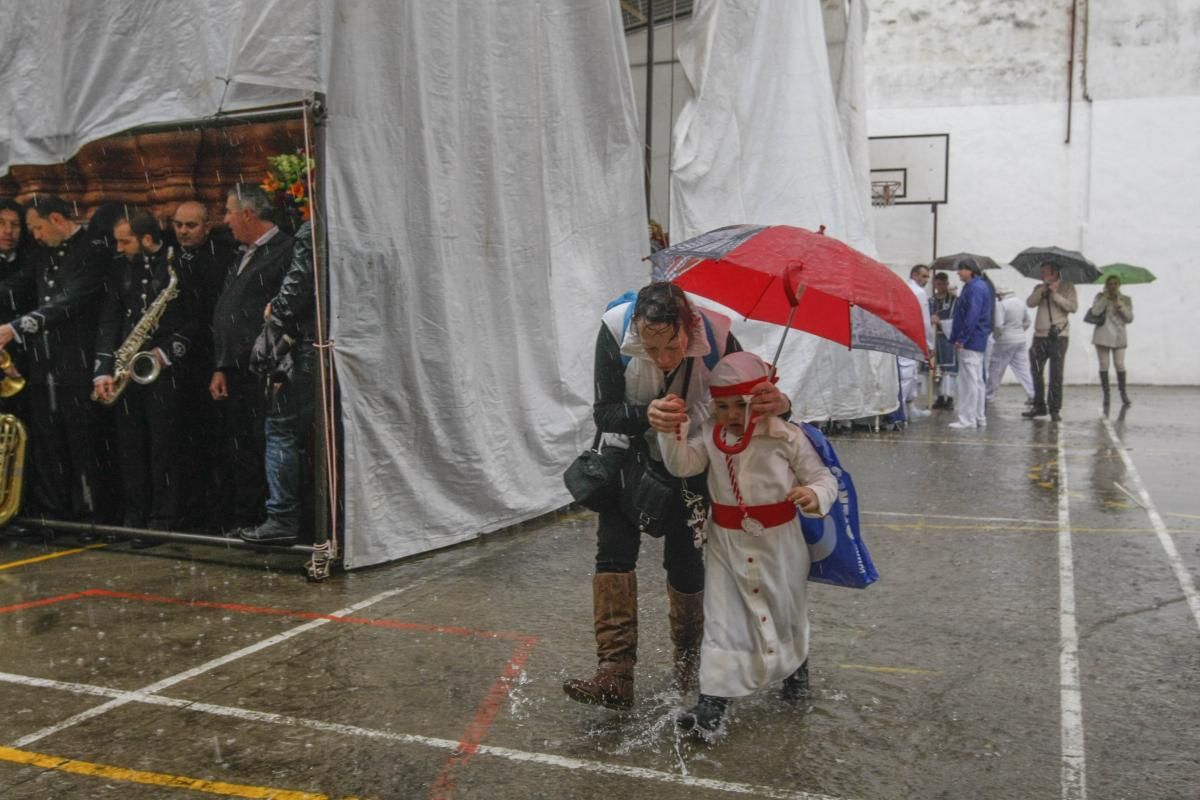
[714,355]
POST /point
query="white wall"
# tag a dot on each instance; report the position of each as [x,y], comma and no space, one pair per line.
[993,75]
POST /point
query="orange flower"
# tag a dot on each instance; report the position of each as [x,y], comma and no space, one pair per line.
[271,184]
[297,190]
[305,212]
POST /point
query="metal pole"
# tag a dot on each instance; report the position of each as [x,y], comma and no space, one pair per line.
[933,210]
[325,550]
[649,159]
[165,536]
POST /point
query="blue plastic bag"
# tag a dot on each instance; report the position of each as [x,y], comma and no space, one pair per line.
[835,545]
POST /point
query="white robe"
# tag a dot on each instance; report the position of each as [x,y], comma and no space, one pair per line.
[755,607]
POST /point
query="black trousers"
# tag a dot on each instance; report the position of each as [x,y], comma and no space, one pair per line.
[63,460]
[241,474]
[149,444]
[618,542]
[1054,351]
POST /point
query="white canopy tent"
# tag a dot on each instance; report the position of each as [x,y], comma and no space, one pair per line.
[767,141]
[483,176]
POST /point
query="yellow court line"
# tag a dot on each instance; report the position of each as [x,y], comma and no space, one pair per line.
[153,778]
[1177,514]
[917,526]
[898,670]
[48,556]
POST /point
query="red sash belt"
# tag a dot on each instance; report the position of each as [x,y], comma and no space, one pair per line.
[769,515]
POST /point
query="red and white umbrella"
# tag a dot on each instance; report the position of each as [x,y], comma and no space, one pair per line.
[799,279]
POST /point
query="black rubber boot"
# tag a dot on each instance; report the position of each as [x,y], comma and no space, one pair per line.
[1125,401]
[795,686]
[1107,392]
[706,719]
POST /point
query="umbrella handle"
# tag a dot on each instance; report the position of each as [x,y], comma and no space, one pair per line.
[738,446]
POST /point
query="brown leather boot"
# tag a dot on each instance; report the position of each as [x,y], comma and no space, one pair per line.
[614,605]
[687,631]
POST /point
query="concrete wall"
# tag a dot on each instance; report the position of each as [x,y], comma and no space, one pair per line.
[993,74]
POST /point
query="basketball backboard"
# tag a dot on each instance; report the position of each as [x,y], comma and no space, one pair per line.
[910,170]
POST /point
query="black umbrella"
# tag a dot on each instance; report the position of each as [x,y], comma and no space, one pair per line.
[1072,266]
[950,263]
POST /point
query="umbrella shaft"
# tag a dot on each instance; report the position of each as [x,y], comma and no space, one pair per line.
[782,339]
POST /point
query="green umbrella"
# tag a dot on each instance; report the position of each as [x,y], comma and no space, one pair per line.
[1128,273]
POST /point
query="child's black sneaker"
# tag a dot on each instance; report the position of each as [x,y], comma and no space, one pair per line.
[795,686]
[706,719]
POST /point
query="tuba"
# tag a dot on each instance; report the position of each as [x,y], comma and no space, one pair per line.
[9,384]
[133,363]
[12,466]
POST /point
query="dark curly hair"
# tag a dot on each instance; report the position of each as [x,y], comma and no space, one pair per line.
[664,303]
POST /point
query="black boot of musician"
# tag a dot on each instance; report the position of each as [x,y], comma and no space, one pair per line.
[795,686]
[706,719]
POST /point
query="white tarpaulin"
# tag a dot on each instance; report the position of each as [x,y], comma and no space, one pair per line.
[484,200]
[760,143]
[73,71]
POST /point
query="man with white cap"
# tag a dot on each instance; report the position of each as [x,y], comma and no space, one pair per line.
[1012,319]
[756,559]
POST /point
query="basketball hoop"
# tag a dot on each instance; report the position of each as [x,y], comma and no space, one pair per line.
[883,193]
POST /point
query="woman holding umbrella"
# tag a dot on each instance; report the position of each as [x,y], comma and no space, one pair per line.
[653,358]
[1115,311]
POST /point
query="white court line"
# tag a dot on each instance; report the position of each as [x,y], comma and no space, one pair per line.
[1074,779]
[1049,522]
[168,682]
[522,756]
[1164,537]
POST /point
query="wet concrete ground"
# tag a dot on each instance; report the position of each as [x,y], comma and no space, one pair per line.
[190,672]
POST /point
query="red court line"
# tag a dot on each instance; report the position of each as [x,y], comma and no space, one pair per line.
[48,601]
[281,612]
[443,788]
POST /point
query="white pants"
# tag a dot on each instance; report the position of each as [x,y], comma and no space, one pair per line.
[1005,355]
[971,390]
[910,378]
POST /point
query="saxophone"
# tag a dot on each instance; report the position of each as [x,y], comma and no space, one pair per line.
[133,363]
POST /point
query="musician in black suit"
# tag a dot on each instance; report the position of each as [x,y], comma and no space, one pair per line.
[16,291]
[237,321]
[149,415]
[203,261]
[67,273]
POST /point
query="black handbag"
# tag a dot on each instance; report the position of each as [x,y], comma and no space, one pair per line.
[592,477]
[651,497]
[1092,318]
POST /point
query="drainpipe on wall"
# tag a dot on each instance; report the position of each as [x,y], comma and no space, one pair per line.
[1071,70]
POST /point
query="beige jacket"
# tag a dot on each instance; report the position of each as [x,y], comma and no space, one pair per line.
[1053,308]
[1116,316]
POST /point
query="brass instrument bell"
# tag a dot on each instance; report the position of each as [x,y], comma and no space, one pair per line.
[9,384]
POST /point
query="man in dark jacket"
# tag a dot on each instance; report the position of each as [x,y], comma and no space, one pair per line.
[67,274]
[289,335]
[204,261]
[16,291]
[237,321]
[149,415]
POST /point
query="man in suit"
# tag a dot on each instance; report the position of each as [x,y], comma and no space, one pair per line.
[203,262]
[67,273]
[237,321]
[16,291]
[148,415]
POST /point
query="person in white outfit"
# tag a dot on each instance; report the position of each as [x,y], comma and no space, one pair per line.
[756,559]
[1012,319]
[910,378]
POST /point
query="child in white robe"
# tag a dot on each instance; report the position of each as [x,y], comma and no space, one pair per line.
[756,559]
